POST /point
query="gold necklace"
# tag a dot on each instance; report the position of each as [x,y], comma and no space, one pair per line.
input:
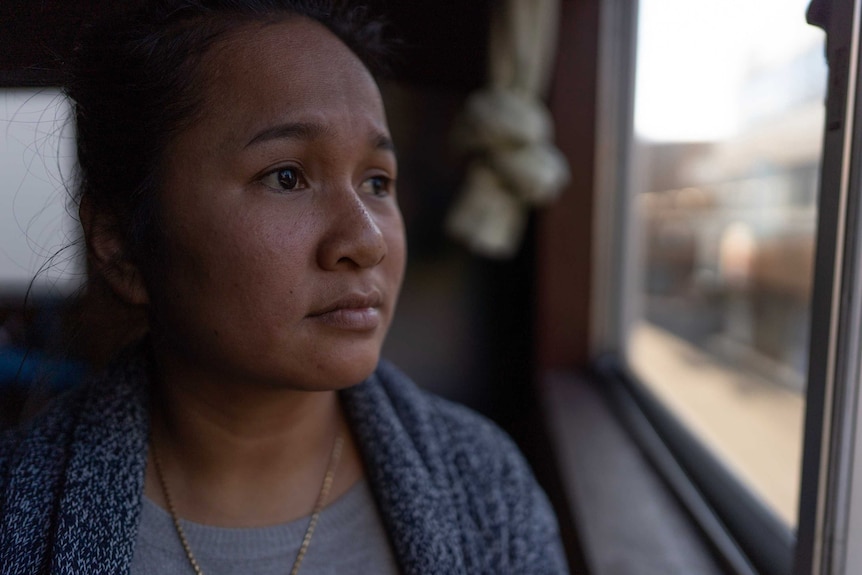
[334,458]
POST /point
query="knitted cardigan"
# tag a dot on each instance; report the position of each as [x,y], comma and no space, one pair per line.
[454,493]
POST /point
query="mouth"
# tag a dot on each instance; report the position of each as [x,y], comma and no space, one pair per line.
[352,312]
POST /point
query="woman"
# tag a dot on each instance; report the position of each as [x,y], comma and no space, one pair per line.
[237,184]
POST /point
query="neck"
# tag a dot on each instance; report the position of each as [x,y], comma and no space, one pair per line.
[241,455]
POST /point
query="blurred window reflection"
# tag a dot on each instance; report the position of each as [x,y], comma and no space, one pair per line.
[728,126]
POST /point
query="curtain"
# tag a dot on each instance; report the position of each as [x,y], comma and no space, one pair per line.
[506,131]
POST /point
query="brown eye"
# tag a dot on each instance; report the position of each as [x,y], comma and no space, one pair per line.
[378,185]
[288,178]
[283,179]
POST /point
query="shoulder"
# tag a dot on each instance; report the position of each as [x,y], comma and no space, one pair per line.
[34,455]
[470,439]
[494,500]
[71,478]
[42,444]
[32,463]
[45,432]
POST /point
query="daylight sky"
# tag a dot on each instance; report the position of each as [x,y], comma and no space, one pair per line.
[694,55]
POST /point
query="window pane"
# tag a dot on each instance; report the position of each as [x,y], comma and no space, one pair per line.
[36,159]
[728,126]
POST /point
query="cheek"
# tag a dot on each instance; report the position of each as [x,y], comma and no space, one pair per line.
[263,258]
[233,264]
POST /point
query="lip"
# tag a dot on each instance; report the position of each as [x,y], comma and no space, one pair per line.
[352,312]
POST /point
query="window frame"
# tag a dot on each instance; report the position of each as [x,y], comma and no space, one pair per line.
[829,504]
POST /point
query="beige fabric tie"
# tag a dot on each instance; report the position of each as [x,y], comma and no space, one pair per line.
[507,131]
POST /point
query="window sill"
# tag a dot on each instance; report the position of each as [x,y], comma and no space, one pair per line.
[627,518]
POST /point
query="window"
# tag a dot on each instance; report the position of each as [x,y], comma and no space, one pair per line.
[727,129]
[36,159]
[734,313]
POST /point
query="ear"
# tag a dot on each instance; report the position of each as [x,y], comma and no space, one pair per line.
[108,257]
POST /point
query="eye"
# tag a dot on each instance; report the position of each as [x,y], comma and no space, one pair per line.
[283,179]
[378,186]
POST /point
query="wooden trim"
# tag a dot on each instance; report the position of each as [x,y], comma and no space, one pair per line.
[564,234]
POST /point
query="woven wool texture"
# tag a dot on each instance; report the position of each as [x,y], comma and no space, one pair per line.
[454,493]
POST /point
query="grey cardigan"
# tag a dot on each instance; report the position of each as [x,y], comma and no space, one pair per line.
[454,493]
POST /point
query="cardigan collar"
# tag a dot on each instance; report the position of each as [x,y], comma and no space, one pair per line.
[75,488]
[412,491]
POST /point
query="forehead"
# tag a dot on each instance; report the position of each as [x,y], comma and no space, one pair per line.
[295,69]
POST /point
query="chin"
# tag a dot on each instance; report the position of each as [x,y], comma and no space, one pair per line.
[341,372]
[355,373]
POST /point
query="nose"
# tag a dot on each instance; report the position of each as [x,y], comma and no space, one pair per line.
[353,238]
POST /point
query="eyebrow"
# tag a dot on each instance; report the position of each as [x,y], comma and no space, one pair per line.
[383,142]
[309,131]
[289,131]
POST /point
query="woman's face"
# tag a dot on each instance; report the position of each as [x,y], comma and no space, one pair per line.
[284,243]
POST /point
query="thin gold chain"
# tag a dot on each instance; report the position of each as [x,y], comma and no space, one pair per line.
[334,458]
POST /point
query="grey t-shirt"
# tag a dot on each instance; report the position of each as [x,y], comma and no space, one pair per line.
[349,540]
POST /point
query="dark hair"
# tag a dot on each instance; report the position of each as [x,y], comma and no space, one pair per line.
[134,82]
